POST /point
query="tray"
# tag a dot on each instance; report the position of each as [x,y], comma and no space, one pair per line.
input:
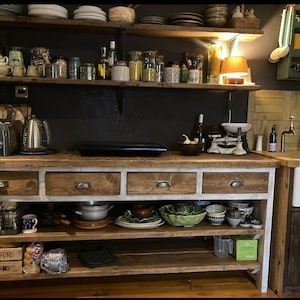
[121,149]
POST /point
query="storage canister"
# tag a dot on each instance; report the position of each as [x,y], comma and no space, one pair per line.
[149,67]
[88,71]
[74,67]
[135,65]
[160,66]
[62,71]
[40,57]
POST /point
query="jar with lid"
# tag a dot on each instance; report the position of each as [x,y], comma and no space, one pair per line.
[135,65]
[160,65]
[74,67]
[62,67]
[149,66]
[120,71]
[88,71]
[40,57]
[15,56]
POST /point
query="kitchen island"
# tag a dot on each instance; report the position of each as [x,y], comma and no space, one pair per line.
[70,177]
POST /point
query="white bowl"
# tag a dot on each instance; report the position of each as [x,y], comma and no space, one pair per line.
[233,221]
[233,127]
[215,220]
[238,204]
[215,209]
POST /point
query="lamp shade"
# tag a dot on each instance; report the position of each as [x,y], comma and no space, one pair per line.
[234,66]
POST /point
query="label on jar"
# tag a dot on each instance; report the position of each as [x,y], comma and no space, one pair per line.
[193,76]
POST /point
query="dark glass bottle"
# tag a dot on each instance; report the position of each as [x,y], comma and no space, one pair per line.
[112,56]
[199,130]
[103,67]
[272,140]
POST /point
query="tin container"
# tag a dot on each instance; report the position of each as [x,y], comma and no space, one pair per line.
[74,67]
[88,71]
[40,57]
[51,70]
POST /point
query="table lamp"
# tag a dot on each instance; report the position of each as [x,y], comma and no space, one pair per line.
[233,68]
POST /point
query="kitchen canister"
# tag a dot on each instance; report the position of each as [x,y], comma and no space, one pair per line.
[74,67]
[120,71]
[135,65]
[88,71]
[149,66]
[172,74]
[62,67]
[40,56]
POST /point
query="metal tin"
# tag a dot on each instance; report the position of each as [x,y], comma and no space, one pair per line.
[88,71]
[74,67]
[51,70]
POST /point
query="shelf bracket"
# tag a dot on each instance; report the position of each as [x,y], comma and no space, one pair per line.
[120,98]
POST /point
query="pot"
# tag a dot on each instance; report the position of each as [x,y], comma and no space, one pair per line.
[93,213]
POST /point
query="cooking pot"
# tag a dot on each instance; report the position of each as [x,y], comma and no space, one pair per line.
[93,213]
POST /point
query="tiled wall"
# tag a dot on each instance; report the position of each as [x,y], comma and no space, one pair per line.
[268,107]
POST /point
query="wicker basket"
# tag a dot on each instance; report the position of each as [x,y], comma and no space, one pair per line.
[244,23]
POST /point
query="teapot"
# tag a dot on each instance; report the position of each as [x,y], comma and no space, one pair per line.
[36,136]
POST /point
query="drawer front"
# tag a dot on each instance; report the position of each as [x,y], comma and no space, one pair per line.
[161,183]
[73,183]
[234,182]
[19,183]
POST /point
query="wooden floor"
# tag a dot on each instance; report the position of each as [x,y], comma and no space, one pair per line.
[238,284]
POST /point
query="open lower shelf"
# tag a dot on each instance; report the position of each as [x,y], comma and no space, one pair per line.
[145,257]
[113,232]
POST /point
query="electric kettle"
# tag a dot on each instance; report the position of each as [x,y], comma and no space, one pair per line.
[36,136]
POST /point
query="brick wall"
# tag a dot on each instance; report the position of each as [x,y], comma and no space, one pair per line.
[268,107]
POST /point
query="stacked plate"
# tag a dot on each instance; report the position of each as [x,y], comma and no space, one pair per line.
[12,10]
[216,15]
[186,19]
[128,220]
[52,11]
[89,12]
[152,20]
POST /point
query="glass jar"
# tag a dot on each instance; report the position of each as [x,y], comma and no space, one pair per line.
[62,71]
[15,56]
[135,65]
[40,57]
[88,71]
[160,65]
[74,67]
[149,66]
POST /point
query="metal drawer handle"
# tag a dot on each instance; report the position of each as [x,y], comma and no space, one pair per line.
[162,183]
[3,183]
[236,183]
[83,184]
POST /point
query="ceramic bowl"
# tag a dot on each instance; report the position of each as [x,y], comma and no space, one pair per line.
[215,219]
[215,210]
[233,221]
[186,215]
[122,14]
[189,149]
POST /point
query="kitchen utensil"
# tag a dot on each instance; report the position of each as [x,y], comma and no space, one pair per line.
[36,136]
[223,246]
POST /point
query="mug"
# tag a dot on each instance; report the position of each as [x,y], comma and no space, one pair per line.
[19,70]
[5,70]
[29,223]
[33,71]
[223,246]
[3,60]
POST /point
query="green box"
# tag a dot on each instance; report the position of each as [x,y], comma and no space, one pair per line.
[244,248]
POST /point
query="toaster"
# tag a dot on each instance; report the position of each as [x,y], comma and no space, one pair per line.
[9,139]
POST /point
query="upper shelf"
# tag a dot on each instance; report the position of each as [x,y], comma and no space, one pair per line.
[151,30]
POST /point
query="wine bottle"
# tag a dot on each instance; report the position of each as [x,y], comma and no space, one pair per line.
[272,140]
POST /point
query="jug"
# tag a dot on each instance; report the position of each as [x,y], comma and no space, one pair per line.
[223,245]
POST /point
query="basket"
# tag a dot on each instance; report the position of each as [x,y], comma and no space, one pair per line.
[244,23]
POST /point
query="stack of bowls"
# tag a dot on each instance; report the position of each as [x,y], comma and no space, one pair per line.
[215,214]
[233,216]
[215,15]
[244,207]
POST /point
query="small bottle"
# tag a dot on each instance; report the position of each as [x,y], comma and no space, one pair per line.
[199,131]
[103,67]
[112,56]
[272,140]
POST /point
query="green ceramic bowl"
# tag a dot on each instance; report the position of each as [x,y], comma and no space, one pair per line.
[190,216]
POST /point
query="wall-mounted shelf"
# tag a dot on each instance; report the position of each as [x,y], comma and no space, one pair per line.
[151,30]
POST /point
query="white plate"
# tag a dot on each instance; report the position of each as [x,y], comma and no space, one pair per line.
[88,9]
[48,7]
[139,225]
[47,13]
[89,16]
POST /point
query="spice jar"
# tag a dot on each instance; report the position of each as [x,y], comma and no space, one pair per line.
[149,67]
[135,65]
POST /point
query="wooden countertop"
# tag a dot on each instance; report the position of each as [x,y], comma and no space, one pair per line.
[289,159]
[168,159]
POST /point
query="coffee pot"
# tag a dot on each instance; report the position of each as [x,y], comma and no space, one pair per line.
[36,136]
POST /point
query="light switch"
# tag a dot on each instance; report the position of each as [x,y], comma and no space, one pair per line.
[21,91]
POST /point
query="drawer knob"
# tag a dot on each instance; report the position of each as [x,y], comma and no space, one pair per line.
[162,184]
[83,184]
[236,183]
[3,183]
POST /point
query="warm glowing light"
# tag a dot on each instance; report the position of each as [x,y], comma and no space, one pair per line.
[233,68]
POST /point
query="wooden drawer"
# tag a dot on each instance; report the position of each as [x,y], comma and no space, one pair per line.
[72,183]
[234,182]
[161,183]
[19,183]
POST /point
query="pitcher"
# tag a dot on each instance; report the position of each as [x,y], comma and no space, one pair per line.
[223,246]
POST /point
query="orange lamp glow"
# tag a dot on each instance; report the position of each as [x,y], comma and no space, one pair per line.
[233,68]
